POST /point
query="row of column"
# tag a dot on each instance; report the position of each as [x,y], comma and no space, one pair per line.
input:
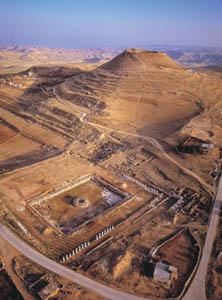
[146,187]
[86,244]
[22,227]
[75,251]
[104,232]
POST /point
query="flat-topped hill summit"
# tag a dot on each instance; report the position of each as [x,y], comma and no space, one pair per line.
[137,58]
[140,91]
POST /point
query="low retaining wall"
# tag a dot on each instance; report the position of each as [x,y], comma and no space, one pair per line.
[52,194]
[163,242]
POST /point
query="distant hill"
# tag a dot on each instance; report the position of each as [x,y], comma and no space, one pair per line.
[18,58]
[149,93]
[44,55]
[142,91]
[138,59]
[207,58]
[11,56]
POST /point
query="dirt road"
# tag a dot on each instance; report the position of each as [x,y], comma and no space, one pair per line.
[196,290]
[151,140]
[63,271]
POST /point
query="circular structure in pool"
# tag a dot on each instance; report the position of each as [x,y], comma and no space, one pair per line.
[80,202]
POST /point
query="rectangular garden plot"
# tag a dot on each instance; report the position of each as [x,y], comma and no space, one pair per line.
[69,208]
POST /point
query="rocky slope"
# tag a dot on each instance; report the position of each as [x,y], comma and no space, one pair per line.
[145,92]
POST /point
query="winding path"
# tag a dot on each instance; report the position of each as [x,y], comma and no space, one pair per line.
[196,290]
[151,140]
[197,287]
[42,260]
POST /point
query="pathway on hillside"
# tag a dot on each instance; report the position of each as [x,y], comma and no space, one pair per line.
[196,290]
[151,140]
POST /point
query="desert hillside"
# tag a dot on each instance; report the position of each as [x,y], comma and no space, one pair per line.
[102,163]
[145,92]
[17,58]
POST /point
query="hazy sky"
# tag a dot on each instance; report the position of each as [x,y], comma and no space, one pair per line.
[95,23]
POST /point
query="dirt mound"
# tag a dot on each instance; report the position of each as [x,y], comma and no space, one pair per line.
[132,88]
[147,93]
[207,124]
[123,265]
[132,59]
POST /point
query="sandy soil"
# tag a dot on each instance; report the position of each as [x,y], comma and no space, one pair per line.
[139,94]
